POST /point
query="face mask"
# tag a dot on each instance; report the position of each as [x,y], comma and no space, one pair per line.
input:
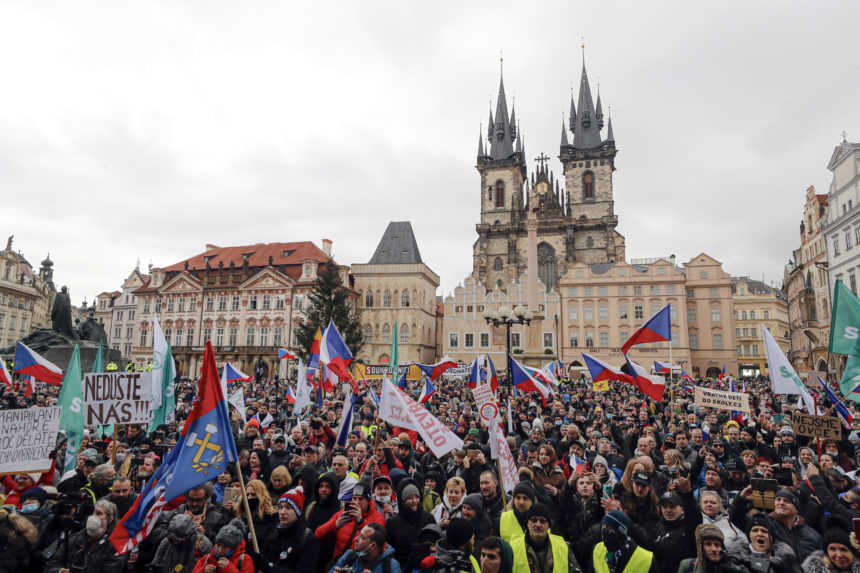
[95,527]
[832,453]
[227,555]
[382,498]
[613,539]
[120,457]
[253,503]
[29,507]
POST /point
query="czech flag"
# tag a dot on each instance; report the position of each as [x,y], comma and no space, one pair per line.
[346,418]
[539,375]
[651,386]
[334,352]
[494,378]
[208,446]
[5,377]
[233,374]
[722,373]
[577,464]
[428,391]
[602,371]
[290,396]
[28,362]
[284,353]
[657,329]
[525,382]
[314,358]
[662,367]
[434,371]
[475,372]
[841,410]
[736,415]
[685,376]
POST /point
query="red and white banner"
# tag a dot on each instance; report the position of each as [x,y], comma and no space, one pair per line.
[507,463]
[398,409]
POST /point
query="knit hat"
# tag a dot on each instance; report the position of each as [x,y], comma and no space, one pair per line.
[459,532]
[182,527]
[475,501]
[539,510]
[36,493]
[362,489]
[296,498]
[762,520]
[617,519]
[230,535]
[526,489]
[788,495]
[598,459]
[836,535]
[409,490]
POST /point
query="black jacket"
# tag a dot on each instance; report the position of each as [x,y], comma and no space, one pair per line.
[86,555]
[673,541]
[403,529]
[292,549]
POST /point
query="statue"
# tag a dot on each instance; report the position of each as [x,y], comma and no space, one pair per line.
[92,329]
[61,314]
[9,242]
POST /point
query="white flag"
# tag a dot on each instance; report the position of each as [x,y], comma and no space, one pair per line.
[303,389]
[510,418]
[159,355]
[785,379]
[398,409]
[237,398]
[507,463]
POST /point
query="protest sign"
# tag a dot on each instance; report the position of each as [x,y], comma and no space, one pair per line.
[486,402]
[117,397]
[27,438]
[720,400]
[397,408]
[824,427]
[507,463]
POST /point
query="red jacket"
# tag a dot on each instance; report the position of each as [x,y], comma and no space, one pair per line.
[247,565]
[13,496]
[344,533]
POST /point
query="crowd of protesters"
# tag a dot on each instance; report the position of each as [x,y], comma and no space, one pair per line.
[607,482]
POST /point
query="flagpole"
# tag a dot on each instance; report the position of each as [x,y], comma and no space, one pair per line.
[247,508]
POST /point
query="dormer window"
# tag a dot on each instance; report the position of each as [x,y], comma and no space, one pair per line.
[289,252]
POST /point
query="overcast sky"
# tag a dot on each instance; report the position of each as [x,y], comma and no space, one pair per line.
[148,129]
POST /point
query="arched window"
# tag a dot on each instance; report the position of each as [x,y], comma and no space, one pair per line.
[368,333]
[404,298]
[386,299]
[368,299]
[497,264]
[500,194]
[588,185]
[386,332]
[547,267]
[404,333]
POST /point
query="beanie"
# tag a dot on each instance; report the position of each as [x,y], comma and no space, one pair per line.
[296,498]
[598,459]
[459,532]
[526,489]
[475,501]
[617,519]
[229,536]
[762,520]
[539,510]
[708,531]
[36,493]
[788,495]
[409,490]
[836,535]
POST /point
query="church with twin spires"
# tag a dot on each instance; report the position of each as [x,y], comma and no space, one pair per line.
[575,217]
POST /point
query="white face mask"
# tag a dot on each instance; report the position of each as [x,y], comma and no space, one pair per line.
[95,526]
[29,507]
[382,498]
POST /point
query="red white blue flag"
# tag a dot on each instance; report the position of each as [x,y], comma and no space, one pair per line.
[657,329]
[28,362]
[434,371]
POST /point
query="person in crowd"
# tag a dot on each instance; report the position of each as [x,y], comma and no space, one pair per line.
[582,513]
[762,553]
[88,550]
[264,513]
[492,498]
[837,554]
[473,511]
[453,551]
[370,553]
[404,528]
[495,556]
[229,554]
[290,547]
[617,552]
[18,541]
[345,525]
[714,513]
[711,555]
[452,501]
[280,481]
[538,550]
[513,521]
[183,546]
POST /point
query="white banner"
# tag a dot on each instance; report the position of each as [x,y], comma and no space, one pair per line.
[396,406]
[303,389]
[237,398]
[507,463]
[159,363]
[722,400]
[486,403]
[27,437]
[117,397]
[785,379]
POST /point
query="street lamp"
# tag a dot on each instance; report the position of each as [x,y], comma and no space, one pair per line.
[507,316]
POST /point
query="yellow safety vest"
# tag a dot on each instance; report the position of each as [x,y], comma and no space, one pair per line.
[509,526]
[559,554]
[640,561]
[475,566]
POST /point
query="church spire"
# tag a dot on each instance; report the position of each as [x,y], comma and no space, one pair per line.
[587,132]
[572,116]
[564,142]
[599,111]
[609,135]
[490,122]
[513,125]
[480,142]
[502,140]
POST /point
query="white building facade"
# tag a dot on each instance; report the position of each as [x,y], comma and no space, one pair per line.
[843,223]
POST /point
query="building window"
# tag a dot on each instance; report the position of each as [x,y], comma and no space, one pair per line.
[737,332]
[589,339]
[252,302]
[602,291]
[703,274]
[192,304]
[386,333]
[498,264]
[847,240]
[655,290]
[718,341]
[210,303]
[694,341]
[638,312]
[142,338]
[129,332]
[219,337]
[744,315]
[267,303]
[715,314]
[276,337]
[587,291]
[755,349]
[280,303]
[574,338]
[547,340]
[603,312]
[145,306]
[622,290]
[746,332]
[170,304]
[178,337]
[622,336]
[571,291]
[500,194]
[637,290]
[368,299]
[573,312]
[386,299]
[404,334]
[130,313]
[485,339]
[264,336]
[298,302]
[404,298]
[515,340]
[655,307]
[250,336]
[604,339]
[453,340]
[715,292]
[128,349]
[752,315]
[835,240]
[468,340]
[232,336]
[857,235]
[588,185]
[234,303]
[588,312]
[181,304]
[579,273]
[118,313]
[168,335]
[207,335]
[623,312]
[767,315]
[222,303]
[189,337]
[117,332]
[368,333]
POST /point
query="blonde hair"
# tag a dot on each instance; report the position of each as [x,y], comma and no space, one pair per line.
[456,481]
[628,473]
[262,492]
[282,472]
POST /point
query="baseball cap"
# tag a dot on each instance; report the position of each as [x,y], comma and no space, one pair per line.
[670,498]
[641,478]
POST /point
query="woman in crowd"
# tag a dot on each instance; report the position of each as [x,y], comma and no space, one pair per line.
[452,501]
[279,482]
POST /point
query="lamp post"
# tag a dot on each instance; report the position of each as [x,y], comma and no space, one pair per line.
[505,316]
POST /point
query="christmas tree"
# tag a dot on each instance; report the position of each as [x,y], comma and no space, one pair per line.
[330,300]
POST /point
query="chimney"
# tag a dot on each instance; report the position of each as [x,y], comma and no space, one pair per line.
[209,246]
[672,259]
[326,247]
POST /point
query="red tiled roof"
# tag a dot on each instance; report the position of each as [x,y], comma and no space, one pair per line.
[258,255]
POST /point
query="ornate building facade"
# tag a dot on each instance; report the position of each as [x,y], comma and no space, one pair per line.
[396,286]
[576,222]
[26,296]
[245,299]
[758,304]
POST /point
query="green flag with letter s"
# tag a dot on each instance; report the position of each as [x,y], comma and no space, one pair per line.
[72,417]
[845,321]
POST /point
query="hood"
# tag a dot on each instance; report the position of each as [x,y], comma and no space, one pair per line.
[507,565]
[703,531]
[331,479]
[182,526]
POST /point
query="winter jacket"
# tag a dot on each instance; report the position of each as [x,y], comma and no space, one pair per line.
[494,507]
[86,555]
[673,541]
[444,510]
[730,532]
[319,511]
[346,534]
[186,552]
[352,559]
[403,530]
[802,539]
[240,562]
[18,538]
[817,562]
[292,549]
[581,522]
[781,558]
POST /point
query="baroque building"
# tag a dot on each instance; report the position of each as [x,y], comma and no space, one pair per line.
[757,305]
[842,229]
[575,217]
[396,286]
[26,296]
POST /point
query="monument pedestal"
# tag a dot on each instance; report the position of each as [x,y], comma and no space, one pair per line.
[58,349]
